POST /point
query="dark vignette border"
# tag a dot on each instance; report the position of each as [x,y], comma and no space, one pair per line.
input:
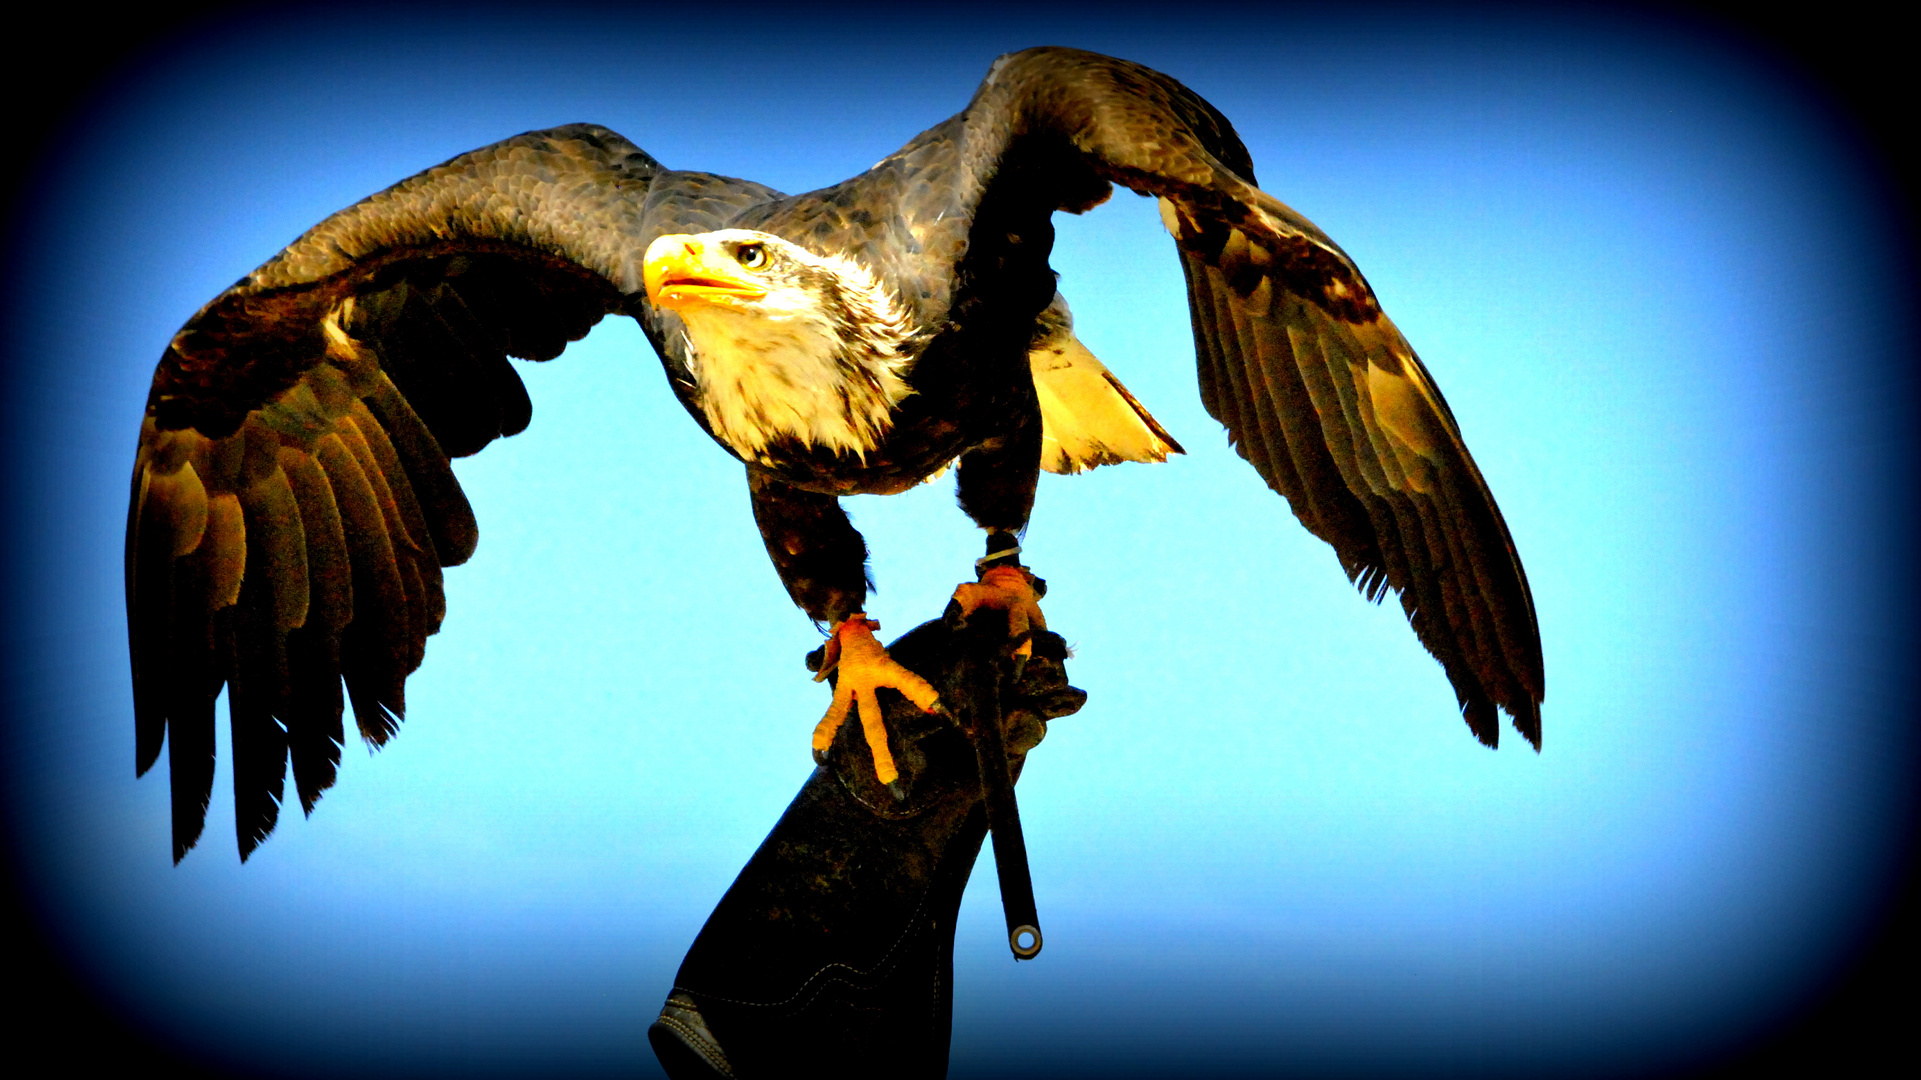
[1846,62]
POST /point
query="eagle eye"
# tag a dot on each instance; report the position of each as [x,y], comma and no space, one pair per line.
[751,256]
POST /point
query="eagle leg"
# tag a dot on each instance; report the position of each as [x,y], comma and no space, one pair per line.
[996,484]
[864,667]
[820,557]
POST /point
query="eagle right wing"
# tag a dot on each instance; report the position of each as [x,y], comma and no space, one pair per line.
[293,501]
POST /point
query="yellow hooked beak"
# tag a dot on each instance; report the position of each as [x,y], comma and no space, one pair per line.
[681,269]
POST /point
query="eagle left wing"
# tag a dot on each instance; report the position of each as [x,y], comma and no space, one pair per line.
[1317,388]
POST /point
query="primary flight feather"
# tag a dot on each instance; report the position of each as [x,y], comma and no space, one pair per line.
[293,503]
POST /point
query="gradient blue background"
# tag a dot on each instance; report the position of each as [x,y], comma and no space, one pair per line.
[1650,271]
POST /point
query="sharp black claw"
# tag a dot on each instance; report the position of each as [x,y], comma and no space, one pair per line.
[1015,641]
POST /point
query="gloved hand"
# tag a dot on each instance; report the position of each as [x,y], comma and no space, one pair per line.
[837,938]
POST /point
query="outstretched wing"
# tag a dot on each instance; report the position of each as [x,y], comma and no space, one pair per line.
[293,503]
[1317,389]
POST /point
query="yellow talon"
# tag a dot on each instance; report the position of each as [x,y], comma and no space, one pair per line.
[864,667]
[1009,589]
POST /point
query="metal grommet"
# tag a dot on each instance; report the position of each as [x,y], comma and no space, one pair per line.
[1021,952]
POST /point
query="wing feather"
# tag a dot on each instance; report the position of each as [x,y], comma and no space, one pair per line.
[375,647]
[1261,441]
[224,549]
[1395,554]
[314,704]
[406,520]
[1207,357]
[256,686]
[449,520]
[278,548]
[192,667]
[150,561]
[330,595]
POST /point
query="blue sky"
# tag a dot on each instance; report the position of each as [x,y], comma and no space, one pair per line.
[1648,271]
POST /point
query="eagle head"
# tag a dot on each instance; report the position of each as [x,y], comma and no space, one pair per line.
[784,344]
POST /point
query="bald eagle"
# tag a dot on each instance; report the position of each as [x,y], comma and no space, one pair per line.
[293,503]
